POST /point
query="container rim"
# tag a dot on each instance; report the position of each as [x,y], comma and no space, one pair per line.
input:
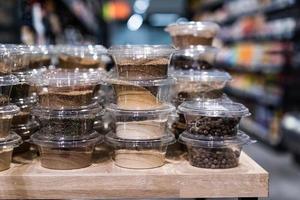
[240,139]
[166,108]
[113,140]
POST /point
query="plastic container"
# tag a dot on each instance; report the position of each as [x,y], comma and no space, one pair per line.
[6,115]
[141,62]
[139,154]
[65,154]
[185,34]
[59,89]
[5,61]
[217,154]
[68,123]
[140,125]
[141,95]
[213,118]
[39,56]
[83,57]
[23,90]
[192,85]
[6,149]
[194,58]
[25,106]
[6,84]
[25,131]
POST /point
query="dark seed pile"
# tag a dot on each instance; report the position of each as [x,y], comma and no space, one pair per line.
[183,41]
[67,127]
[186,63]
[214,126]
[213,158]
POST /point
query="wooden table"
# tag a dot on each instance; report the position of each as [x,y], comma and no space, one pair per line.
[177,179]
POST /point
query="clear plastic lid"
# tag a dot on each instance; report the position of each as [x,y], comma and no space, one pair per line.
[157,82]
[194,55]
[115,141]
[164,109]
[9,110]
[45,139]
[239,140]
[82,112]
[201,75]
[11,141]
[200,28]
[8,80]
[141,51]
[66,78]
[223,98]
[214,108]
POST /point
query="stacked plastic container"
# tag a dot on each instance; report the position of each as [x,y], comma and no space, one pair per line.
[66,111]
[207,119]
[8,139]
[142,105]
[29,60]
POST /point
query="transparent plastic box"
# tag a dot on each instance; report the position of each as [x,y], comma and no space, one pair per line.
[58,89]
[194,58]
[213,118]
[217,154]
[68,123]
[65,154]
[6,84]
[25,106]
[83,57]
[25,131]
[185,34]
[6,150]
[140,125]
[139,154]
[141,62]
[141,95]
[191,85]
[6,115]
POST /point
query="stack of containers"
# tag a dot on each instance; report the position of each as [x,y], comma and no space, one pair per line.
[208,120]
[8,139]
[28,60]
[90,57]
[141,109]
[66,111]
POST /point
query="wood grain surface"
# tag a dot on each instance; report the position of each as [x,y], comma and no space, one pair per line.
[105,180]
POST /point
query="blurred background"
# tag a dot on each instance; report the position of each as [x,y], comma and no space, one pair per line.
[259,41]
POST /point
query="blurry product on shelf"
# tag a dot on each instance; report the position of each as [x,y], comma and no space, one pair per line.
[266,57]
[257,28]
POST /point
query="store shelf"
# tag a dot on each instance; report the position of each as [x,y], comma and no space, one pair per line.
[174,180]
[265,99]
[275,7]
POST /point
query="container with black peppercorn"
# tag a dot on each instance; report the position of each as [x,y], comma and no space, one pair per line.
[214,154]
[211,119]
